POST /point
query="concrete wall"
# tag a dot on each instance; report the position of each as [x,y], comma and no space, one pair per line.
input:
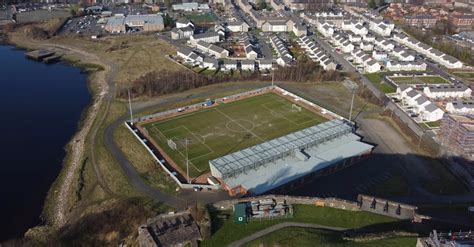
[326,202]
[178,182]
[406,211]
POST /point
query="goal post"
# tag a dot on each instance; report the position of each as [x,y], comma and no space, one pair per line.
[172,144]
[295,106]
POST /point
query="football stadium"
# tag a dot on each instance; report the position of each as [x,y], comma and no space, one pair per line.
[251,142]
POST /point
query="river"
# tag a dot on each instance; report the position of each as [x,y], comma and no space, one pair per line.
[40,108]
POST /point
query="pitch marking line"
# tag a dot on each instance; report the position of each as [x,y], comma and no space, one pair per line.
[174,138]
[203,143]
[278,115]
[243,127]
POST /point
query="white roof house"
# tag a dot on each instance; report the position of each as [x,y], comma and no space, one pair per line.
[212,49]
[371,66]
[209,37]
[382,28]
[284,56]
[427,109]
[229,65]
[366,46]
[182,23]
[354,38]
[347,47]
[247,65]
[379,55]
[265,64]
[188,56]
[237,26]
[325,29]
[432,113]
[403,89]
[440,57]
[403,55]
[210,63]
[368,38]
[384,44]
[182,33]
[359,29]
[448,91]
[406,66]
[461,107]
[328,64]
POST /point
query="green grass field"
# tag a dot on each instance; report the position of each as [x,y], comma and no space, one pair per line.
[294,236]
[227,128]
[202,18]
[419,80]
[226,231]
[465,75]
[377,80]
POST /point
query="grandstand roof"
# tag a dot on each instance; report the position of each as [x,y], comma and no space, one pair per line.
[258,155]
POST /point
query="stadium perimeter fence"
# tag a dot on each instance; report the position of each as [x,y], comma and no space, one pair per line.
[202,105]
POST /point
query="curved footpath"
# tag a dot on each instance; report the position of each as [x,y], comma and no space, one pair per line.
[185,197]
[276,227]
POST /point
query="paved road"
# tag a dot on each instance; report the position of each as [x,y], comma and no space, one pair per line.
[185,197]
[346,66]
[276,227]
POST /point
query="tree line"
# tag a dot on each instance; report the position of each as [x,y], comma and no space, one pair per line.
[432,38]
[165,82]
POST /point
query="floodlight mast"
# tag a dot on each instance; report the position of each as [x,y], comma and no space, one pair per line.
[130,106]
[187,160]
[354,89]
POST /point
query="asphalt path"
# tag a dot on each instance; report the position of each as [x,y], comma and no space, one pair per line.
[348,67]
[186,197]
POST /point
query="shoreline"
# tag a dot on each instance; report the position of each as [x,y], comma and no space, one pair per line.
[56,205]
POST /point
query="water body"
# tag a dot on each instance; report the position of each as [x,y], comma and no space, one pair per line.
[40,107]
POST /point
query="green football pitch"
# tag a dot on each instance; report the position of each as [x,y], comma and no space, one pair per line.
[229,127]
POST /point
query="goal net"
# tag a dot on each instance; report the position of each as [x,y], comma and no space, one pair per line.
[172,144]
[295,106]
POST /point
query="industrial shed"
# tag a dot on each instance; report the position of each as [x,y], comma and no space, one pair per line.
[266,166]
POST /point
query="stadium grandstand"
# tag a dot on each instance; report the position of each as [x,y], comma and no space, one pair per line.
[322,148]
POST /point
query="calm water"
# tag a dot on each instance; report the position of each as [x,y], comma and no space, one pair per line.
[40,106]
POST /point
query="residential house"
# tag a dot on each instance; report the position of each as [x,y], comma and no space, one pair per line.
[432,113]
[382,28]
[229,65]
[380,56]
[237,26]
[182,23]
[284,56]
[188,56]
[265,64]
[209,37]
[365,46]
[247,65]
[325,29]
[372,66]
[448,91]
[182,33]
[461,107]
[210,63]
[422,20]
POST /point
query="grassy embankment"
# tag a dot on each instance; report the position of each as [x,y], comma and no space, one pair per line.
[225,231]
[419,80]
[377,80]
[133,57]
[294,236]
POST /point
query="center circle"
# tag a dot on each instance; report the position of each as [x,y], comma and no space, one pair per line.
[240,126]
